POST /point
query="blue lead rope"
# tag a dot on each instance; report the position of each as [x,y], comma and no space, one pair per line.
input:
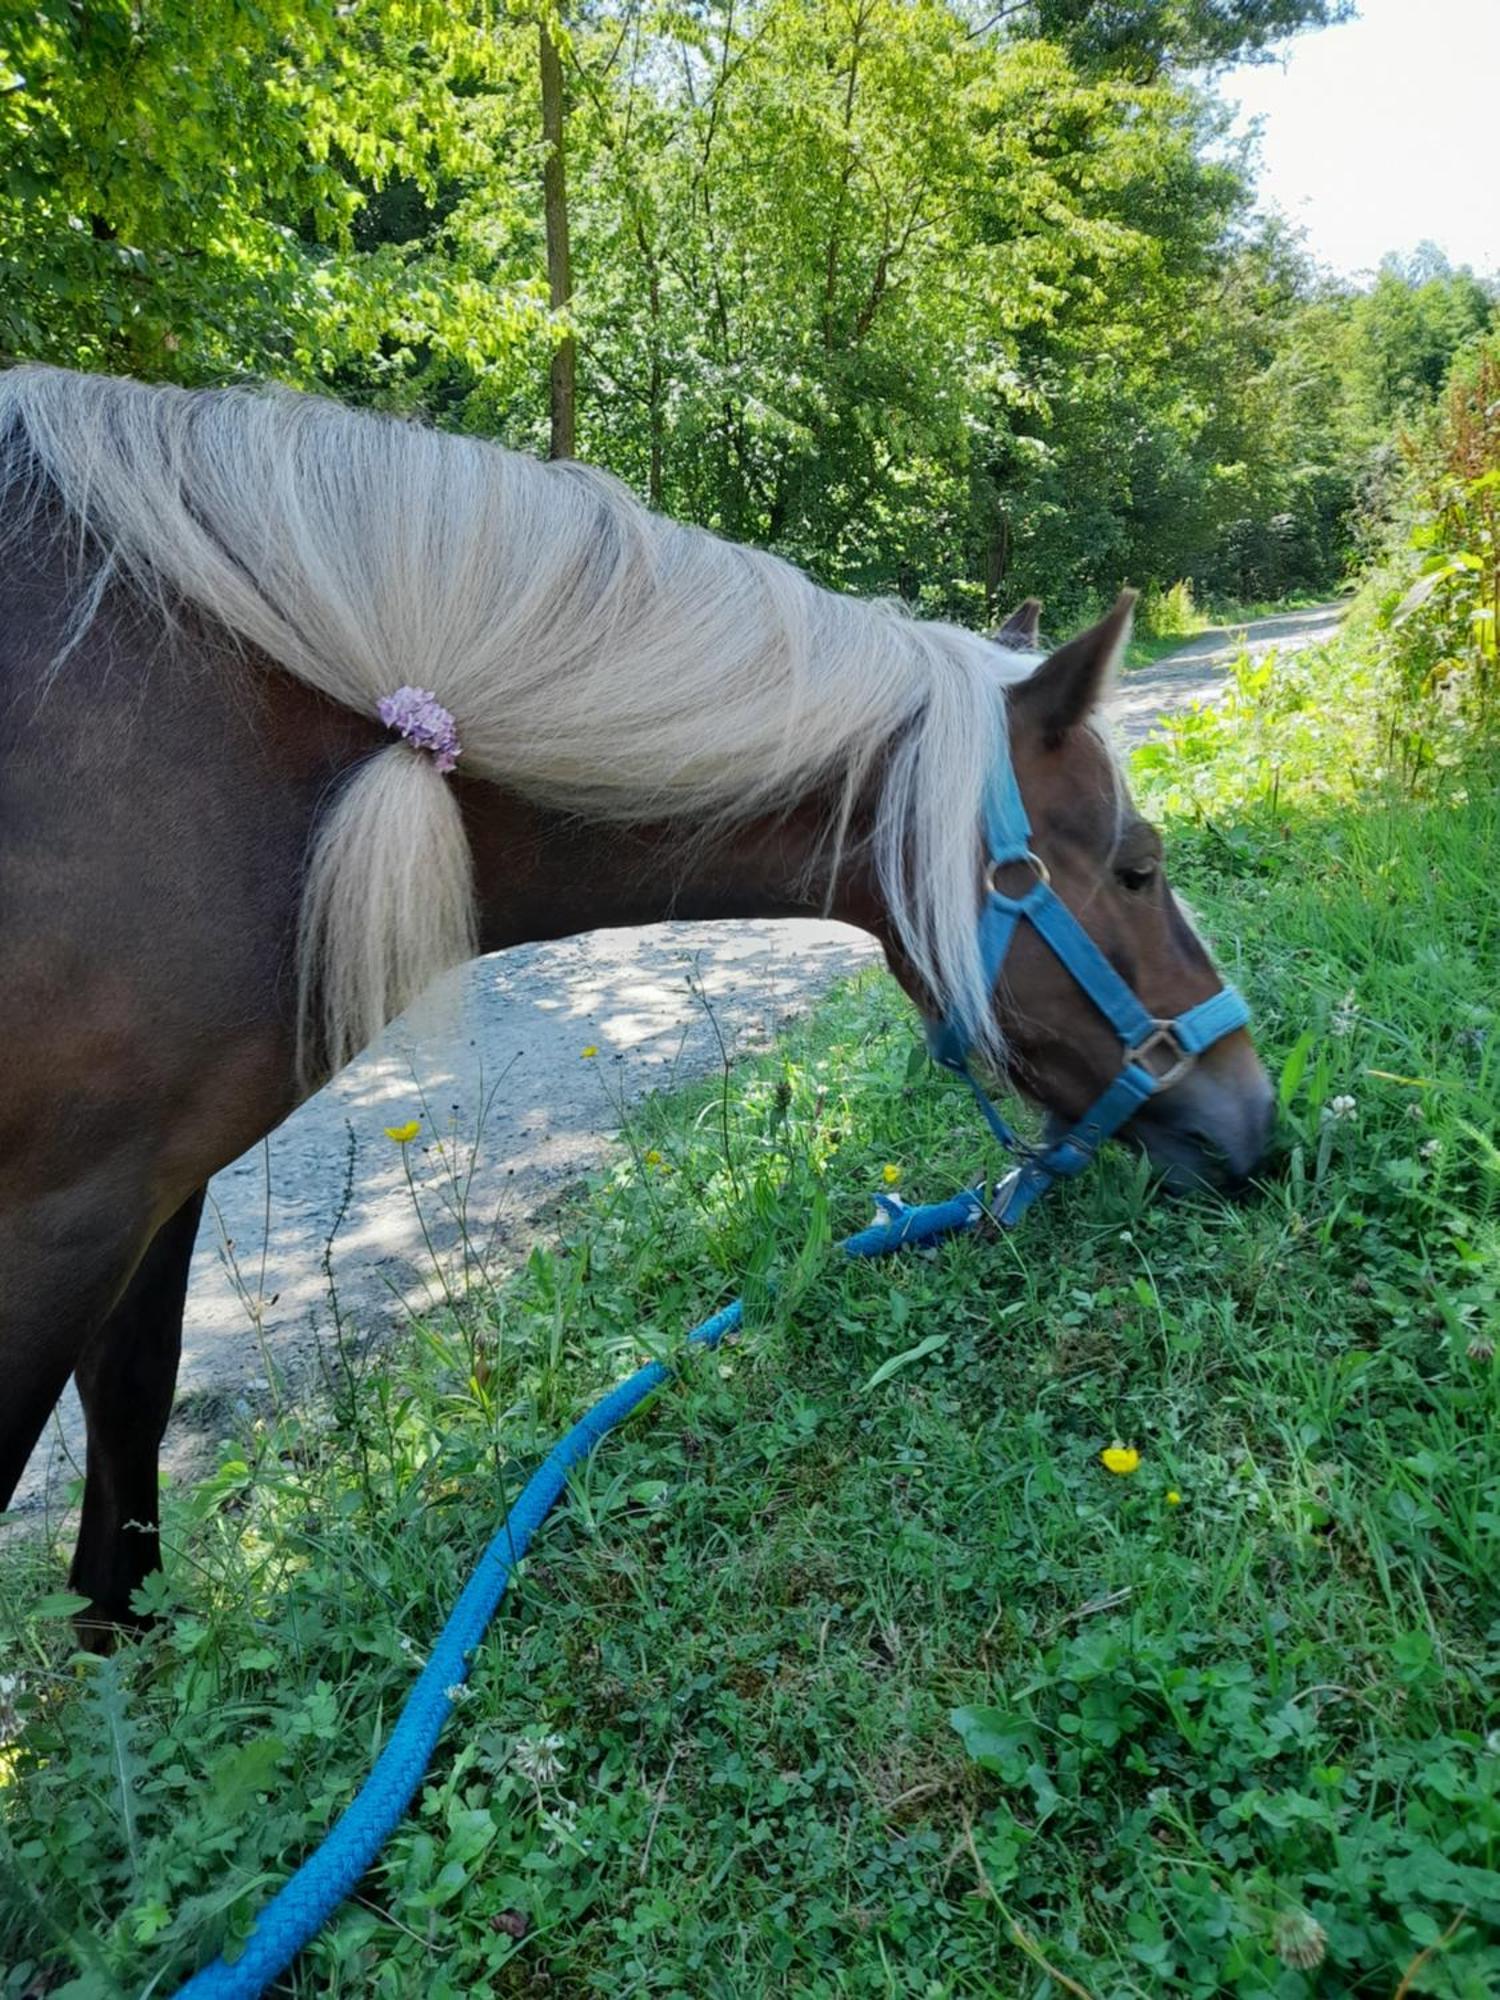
[299,1910]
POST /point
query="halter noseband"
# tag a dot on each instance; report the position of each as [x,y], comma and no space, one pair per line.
[1157,1053]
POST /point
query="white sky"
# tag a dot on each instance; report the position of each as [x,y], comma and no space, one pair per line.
[1384,132]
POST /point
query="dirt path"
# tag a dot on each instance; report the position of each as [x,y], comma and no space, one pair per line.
[521,1111]
[1195,670]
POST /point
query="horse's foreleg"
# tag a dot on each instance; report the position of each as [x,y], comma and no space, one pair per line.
[64,1261]
[126,1376]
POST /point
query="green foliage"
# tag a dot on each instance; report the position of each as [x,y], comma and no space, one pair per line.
[186,191]
[1170,614]
[1144,35]
[1405,332]
[852,1630]
[1438,592]
[955,305]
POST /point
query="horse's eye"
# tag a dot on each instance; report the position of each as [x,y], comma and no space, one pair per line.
[1138,877]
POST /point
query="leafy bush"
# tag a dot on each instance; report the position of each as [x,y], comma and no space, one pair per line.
[1440,629]
[1170,614]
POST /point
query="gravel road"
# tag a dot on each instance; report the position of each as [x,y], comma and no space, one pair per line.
[521,1109]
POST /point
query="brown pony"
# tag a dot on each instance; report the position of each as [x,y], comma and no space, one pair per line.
[221,872]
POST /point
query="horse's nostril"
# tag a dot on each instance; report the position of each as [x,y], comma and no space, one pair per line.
[1205,1132]
[1233,1125]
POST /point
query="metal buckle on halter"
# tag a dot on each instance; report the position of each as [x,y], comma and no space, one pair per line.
[1163,1035]
[1000,1194]
[1032,859]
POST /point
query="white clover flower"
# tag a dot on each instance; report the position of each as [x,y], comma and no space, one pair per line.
[1299,1940]
[536,1758]
[1338,1109]
[12,1687]
[560,1823]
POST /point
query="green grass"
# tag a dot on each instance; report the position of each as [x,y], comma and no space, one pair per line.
[1145,650]
[1234,611]
[822,1687]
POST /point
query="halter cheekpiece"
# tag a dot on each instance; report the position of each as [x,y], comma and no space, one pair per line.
[1156,1053]
[420,718]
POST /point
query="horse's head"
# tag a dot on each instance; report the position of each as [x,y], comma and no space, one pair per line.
[1105,863]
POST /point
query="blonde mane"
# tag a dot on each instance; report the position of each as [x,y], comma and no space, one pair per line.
[597,657]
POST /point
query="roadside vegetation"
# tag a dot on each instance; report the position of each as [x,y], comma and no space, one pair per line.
[851,1666]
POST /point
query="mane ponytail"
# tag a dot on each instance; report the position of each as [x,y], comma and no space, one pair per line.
[387,905]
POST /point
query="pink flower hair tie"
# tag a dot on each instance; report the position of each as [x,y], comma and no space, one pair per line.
[417,714]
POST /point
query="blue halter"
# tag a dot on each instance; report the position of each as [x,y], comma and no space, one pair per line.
[1148,1043]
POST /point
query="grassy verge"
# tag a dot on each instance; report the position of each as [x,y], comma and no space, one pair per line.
[837,1685]
[1145,650]
[1165,624]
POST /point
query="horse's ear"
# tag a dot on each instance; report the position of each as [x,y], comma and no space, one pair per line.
[1022,629]
[1070,684]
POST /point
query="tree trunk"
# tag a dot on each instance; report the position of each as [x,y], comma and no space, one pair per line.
[559,263]
[655,385]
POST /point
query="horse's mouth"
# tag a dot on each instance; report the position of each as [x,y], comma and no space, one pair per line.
[1197,1139]
[1188,1161]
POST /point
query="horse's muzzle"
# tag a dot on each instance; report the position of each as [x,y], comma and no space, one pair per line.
[1209,1130]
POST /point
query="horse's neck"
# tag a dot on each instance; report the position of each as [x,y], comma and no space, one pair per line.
[542,874]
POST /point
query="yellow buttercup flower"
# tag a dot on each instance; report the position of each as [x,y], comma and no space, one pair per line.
[1121,1458]
[404,1134]
[653,1158]
[1174,1498]
[890,1174]
[590,1051]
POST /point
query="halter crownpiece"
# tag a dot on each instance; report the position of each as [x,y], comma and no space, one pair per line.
[1155,1053]
[420,718]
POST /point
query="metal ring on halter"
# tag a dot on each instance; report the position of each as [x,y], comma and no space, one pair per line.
[1163,1036]
[1032,859]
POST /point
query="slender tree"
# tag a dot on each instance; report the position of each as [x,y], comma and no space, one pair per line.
[564,372]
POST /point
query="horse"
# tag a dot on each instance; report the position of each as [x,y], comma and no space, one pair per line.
[302,706]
